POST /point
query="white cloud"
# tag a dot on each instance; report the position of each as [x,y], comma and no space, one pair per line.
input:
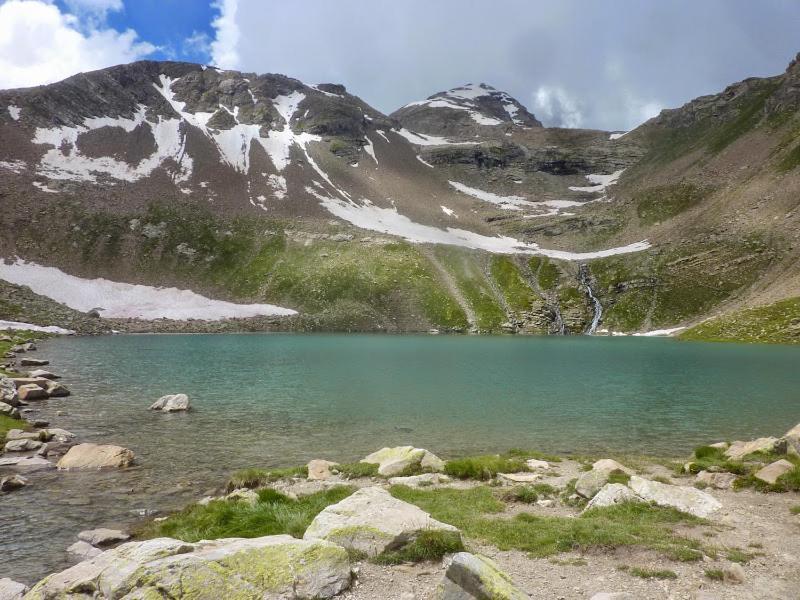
[94,7]
[225,47]
[39,44]
[197,43]
[556,107]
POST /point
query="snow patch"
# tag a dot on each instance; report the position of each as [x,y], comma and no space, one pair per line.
[601,182]
[617,135]
[17,325]
[504,202]
[425,162]
[448,211]
[278,185]
[389,221]
[125,300]
[15,166]
[43,187]
[430,140]
[660,332]
[14,111]
[382,133]
[370,149]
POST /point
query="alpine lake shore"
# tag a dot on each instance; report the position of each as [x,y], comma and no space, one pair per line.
[403,523]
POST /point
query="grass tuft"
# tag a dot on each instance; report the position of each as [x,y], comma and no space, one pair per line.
[255,478]
[428,546]
[356,470]
[715,574]
[273,514]
[652,573]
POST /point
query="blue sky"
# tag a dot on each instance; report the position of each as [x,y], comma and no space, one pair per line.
[606,64]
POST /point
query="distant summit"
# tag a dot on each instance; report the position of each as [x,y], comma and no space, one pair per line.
[465,108]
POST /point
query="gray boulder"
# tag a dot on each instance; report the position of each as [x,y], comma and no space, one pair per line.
[611,494]
[12,590]
[792,438]
[96,456]
[171,403]
[686,499]
[393,461]
[372,521]
[475,577]
[12,482]
[103,537]
[590,482]
[83,550]
[57,390]
[269,568]
[23,445]
[41,373]
[8,392]
[26,464]
[31,391]
[33,362]
[773,471]
[8,411]
[719,481]
[738,450]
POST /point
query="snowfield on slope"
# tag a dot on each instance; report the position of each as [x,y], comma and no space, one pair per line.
[18,326]
[125,300]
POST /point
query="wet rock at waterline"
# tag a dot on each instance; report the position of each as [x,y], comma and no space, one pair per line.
[475,577]
[82,550]
[372,521]
[11,483]
[96,456]
[26,464]
[393,461]
[33,362]
[171,403]
[103,537]
[8,411]
[31,391]
[57,390]
[277,566]
[23,445]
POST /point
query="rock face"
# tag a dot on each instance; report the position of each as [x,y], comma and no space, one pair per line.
[393,461]
[95,456]
[103,537]
[475,577]
[686,499]
[171,403]
[611,494]
[372,521]
[739,450]
[269,567]
[11,590]
[773,471]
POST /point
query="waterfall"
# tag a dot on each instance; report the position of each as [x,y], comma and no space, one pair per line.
[583,274]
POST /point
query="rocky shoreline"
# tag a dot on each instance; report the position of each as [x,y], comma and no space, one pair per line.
[404,523]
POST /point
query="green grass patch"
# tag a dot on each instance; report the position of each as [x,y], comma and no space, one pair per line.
[255,478]
[428,546]
[617,476]
[547,273]
[569,562]
[273,514]
[356,470]
[737,555]
[777,323]
[706,457]
[795,510]
[483,467]
[788,482]
[623,525]
[790,161]
[529,494]
[660,203]
[7,424]
[517,293]
[715,574]
[651,573]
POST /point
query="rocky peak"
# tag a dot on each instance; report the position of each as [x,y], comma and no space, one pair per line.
[464,110]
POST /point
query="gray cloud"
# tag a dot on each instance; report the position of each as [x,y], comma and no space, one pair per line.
[606,64]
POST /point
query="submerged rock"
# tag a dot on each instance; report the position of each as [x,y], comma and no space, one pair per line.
[41,373]
[773,471]
[26,464]
[11,590]
[611,494]
[83,550]
[738,450]
[277,566]
[96,456]
[11,483]
[171,403]
[686,499]
[393,461]
[33,362]
[372,521]
[475,577]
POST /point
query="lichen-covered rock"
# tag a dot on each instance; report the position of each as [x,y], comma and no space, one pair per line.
[271,567]
[11,590]
[686,499]
[425,479]
[172,403]
[245,495]
[8,392]
[773,471]
[738,450]
[611,494]
[372,521]
[475,577]
[96,456]
[393,461]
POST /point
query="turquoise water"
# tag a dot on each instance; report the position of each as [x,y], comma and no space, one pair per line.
[269,400]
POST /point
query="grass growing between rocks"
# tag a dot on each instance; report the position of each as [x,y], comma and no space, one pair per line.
[273,514]
[706,457]
[529,494]
[487,466]
[788,482]
[777,323]
[429,546]
[650,573]
[356,470]
[7,424]
[623,525]
[255,478]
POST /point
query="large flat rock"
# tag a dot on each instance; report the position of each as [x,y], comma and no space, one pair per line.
[96,456]
[475,577]
[267,568]
[393,461]
[372,521]
[686,499]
